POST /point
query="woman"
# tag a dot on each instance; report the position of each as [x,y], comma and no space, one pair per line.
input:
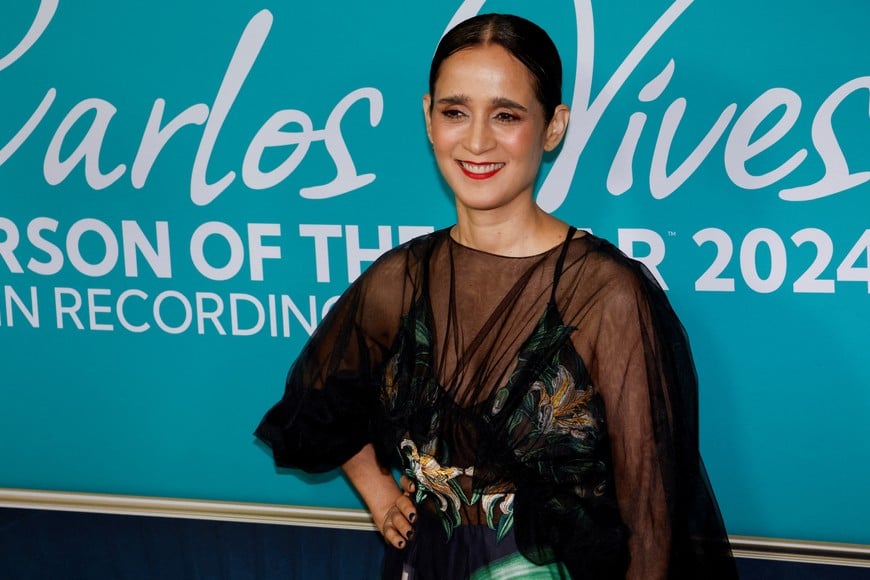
[530,381]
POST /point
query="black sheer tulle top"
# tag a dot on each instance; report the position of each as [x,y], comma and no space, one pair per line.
[553,396]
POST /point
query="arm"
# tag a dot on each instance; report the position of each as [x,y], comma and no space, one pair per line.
[322,421]
[331,390]
[640,361]
[391,507]
[628,374]
[638,473]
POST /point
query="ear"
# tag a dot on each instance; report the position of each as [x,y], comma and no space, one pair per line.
[427,114]
[557,127]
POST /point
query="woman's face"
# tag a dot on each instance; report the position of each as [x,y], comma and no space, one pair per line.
[487,128]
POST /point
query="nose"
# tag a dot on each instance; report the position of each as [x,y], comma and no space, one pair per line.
[480,137]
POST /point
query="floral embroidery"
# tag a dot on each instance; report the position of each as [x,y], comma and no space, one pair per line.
[439,482]
[543,415]
[505,504]
[391,385]
[561,407]
[557,419]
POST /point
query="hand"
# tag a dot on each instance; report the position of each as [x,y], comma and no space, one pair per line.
[397,522]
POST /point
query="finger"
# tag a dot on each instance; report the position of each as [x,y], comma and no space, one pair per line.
[397,529]
[408,484]
[407,508]
[399,521]
[392,537]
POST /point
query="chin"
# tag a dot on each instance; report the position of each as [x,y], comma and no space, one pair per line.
[482,202]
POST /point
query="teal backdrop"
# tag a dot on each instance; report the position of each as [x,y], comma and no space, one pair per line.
[185,187]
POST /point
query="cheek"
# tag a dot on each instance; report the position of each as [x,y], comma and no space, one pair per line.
[443,142]
[526,141]
[442,135]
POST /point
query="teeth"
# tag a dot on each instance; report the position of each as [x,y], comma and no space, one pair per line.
[481,168]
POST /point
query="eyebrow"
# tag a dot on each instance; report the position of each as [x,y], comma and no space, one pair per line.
[496,102]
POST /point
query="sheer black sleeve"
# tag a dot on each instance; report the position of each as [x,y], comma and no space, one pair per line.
[326,413]
[643,368]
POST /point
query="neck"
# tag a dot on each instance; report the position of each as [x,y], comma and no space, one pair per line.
[514,234]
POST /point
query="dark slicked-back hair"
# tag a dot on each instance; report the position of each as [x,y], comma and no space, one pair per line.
[523,39]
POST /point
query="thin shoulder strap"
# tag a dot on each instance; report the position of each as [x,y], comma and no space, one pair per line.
[560,262]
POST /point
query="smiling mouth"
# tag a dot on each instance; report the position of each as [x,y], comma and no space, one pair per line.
[479,170]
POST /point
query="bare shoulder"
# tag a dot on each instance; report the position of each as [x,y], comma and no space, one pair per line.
[598,265]
[404,260]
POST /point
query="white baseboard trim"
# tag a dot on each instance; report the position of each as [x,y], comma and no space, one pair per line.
[806,551]
[811,552]
[186,508]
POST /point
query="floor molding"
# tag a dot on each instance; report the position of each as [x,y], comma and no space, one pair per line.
[260,513]
[828,553]
[811,552]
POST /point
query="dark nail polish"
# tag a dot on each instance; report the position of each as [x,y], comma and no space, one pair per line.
[412,517]
[401,544]
[410,534]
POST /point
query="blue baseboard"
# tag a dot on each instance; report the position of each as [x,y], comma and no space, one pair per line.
[40,544]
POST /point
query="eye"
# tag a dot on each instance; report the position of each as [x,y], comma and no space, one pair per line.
[505,117]
[452,114]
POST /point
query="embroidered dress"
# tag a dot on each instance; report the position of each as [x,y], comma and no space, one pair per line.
[545,406]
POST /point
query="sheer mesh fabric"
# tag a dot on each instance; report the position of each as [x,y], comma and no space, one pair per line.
[562,378]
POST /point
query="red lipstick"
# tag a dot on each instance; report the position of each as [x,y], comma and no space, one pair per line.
[479,171]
